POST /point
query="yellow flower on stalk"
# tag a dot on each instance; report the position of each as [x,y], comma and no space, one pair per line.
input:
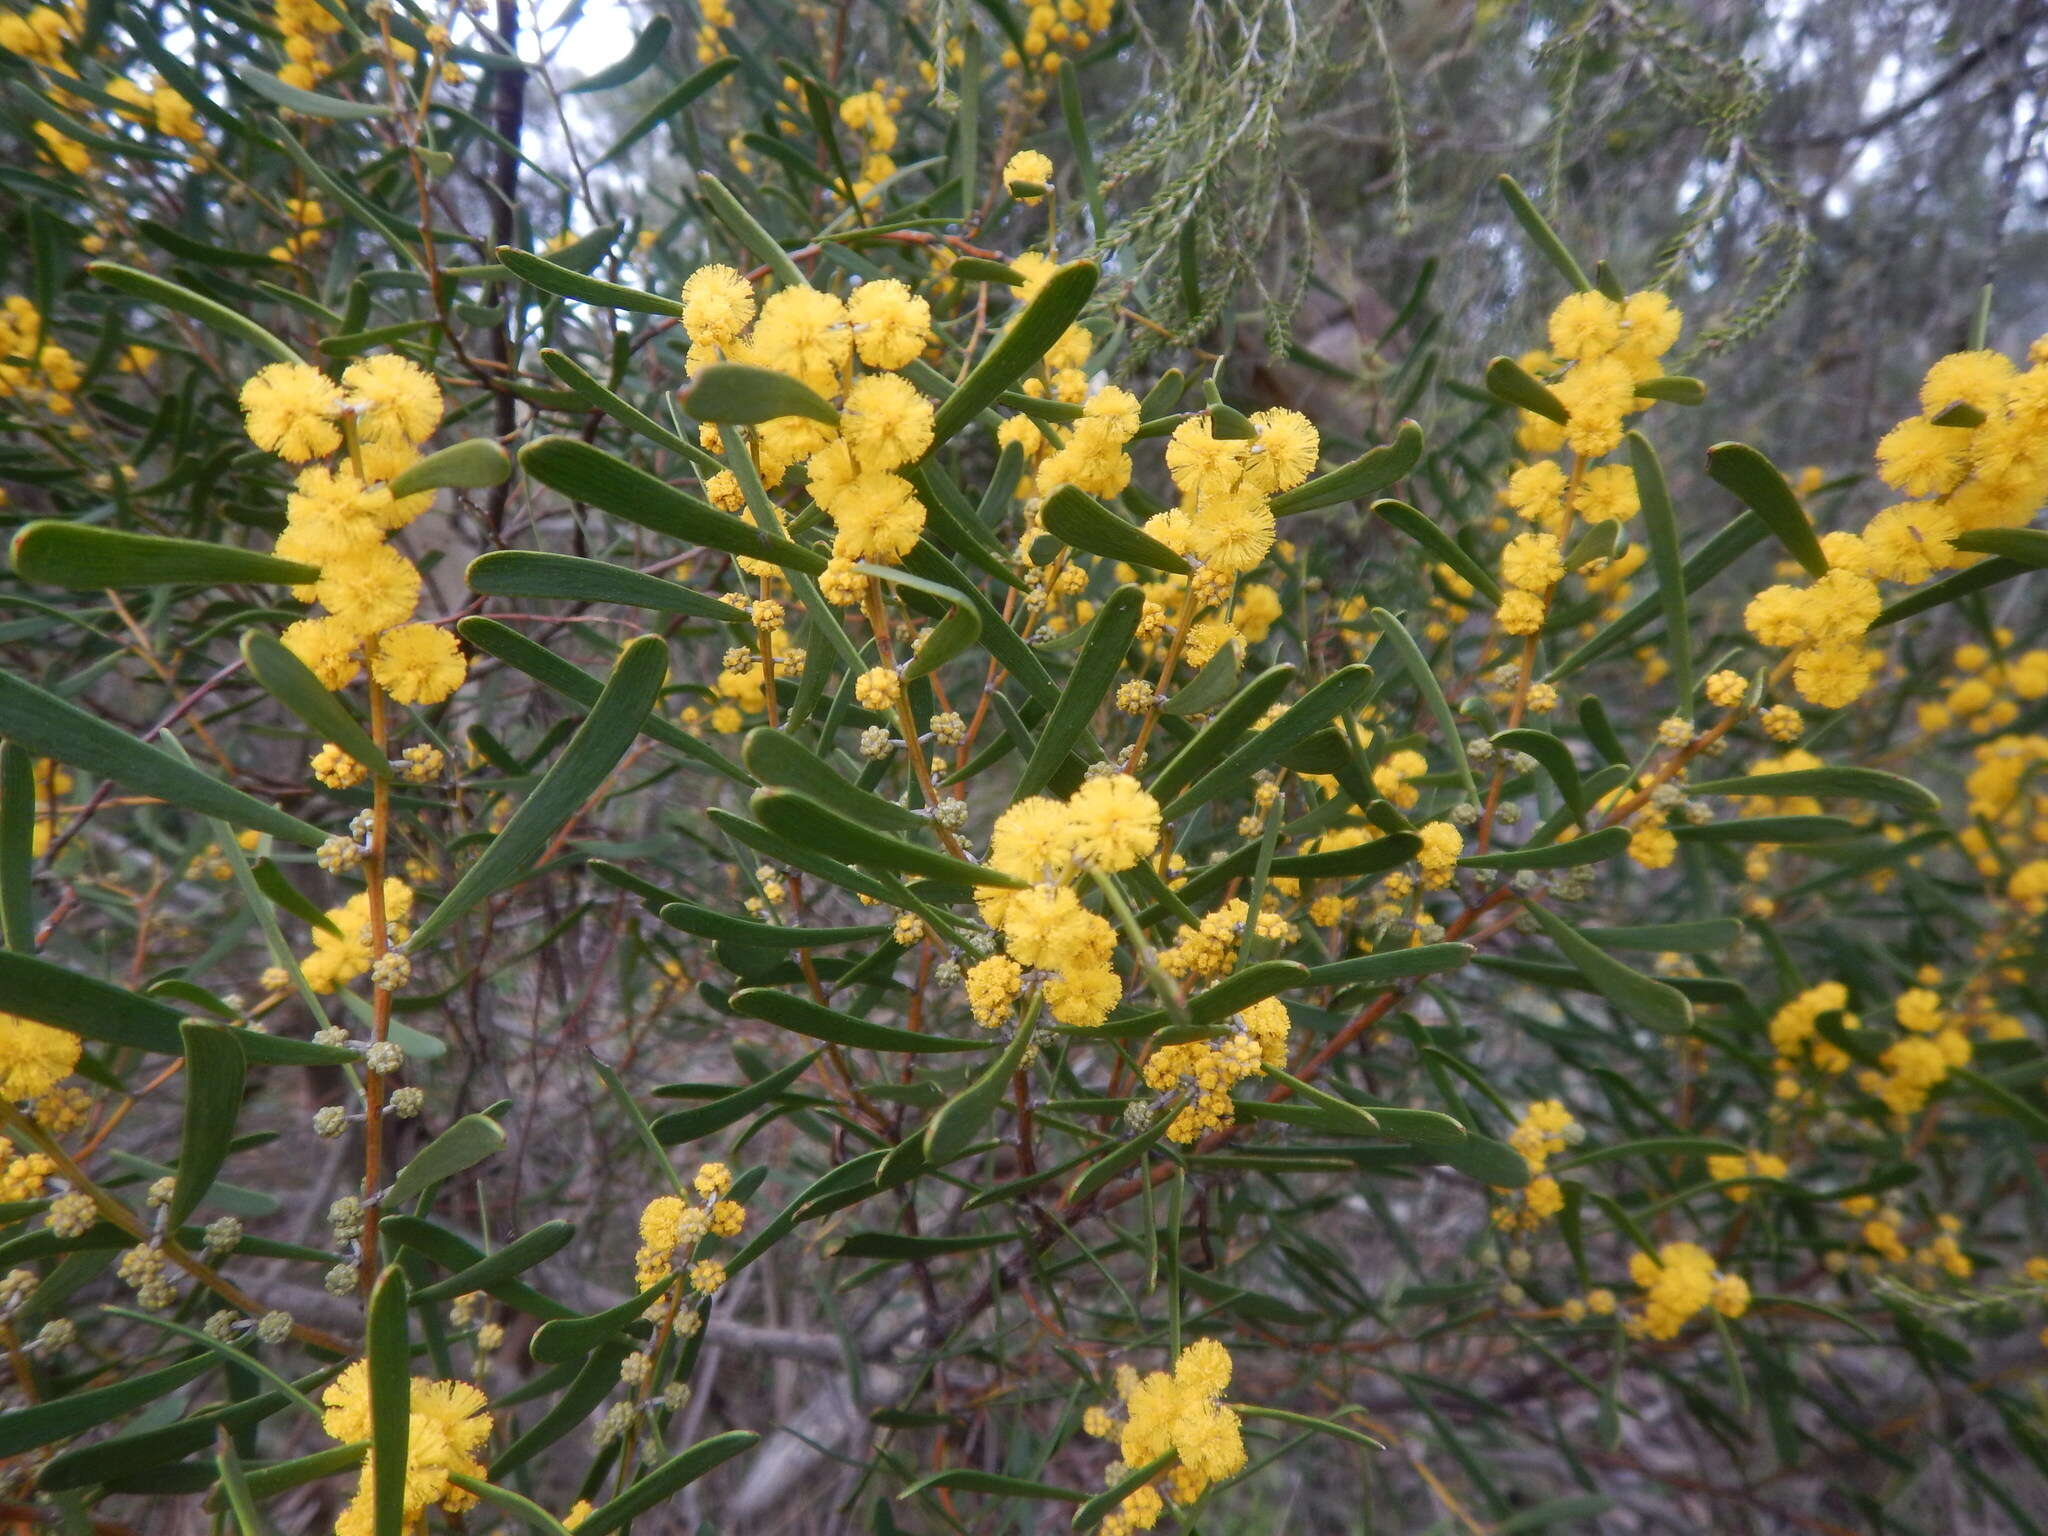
[1028,175]
[290,409]
[418,664]
[394,399]
[34,1058]
[448,1425]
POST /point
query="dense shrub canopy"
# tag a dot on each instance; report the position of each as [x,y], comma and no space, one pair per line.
[942,767]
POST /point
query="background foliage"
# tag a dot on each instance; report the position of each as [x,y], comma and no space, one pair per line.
[944,1265]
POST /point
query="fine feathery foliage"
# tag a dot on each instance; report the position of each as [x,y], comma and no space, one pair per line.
[779,768]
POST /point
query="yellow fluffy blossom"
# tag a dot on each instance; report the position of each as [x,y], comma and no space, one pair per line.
[34,1057]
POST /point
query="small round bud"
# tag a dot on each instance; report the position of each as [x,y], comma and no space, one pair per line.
[341,1280]
[160,1192]
[57,1333]
[390,971]
[329,1121]
[223,1235]
[384,1056]
[274,1327]
[406,1103]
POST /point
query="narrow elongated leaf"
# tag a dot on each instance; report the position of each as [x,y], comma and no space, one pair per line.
[1512,384]
[98,1010]
[959,1121]
[1095,671]
[569,1338]
[1374,470]
[510,1261]
[579,687]
[971,1480]
[666,1481]
[462,1146]
[802,819]
[1556,760]
[1391,965]
[84,557]
[215,1070]
[308,103]
[571,578]
[1331,699]
[1223,732]
[455,1254]
[1074,517]
[1044,320]
[585,473]
[1957,584]
[1770,829]
[1423,677]
[1660,523]
[1661,1007]
[645,50]
[387,1347]
[709,923]
[1438,544]
[685,92]
[1607,843]
[1829,783]
[735,217]
[785,1010]
[685,1125]
[531,1514]
[1540,233]
[49,727]
[565,283]
[468,466]
[23,1429]
[1701,937]
[292,683]
[742,394]
[778,758]
[1675,388]
[616,406]
[2023,546]
[1756,482]
[586,762]
[19,810]
[1097,1509]
[951,636]
[167,295]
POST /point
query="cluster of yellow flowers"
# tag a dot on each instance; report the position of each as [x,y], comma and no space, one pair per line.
[340,956]
[1051,29]
[1725,1166]
[716,16]
[302,23]
[1545,1129]
[337,519]
[447,1426]
[1107,825]
[159,107]
[872,115]
[1974,459]
[2007,792]
[670,1222]
[1182,1413]
[1600,349]
[48,375]
[34,1058]
[1204,1071]
[1679,1282]
[885,422]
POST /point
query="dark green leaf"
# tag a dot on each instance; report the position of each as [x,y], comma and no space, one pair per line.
[50,727]
[645,51]
[543,274]
[167,295]
[571,578]
[471,465]
[1511,384]
[1829,783]
[586,762]
[802,819]
[1074,517]
[215,1070]
[1660,523]
[1044,320]
[665,1481]
[388,1350]
[685,1125]
[1756,482]
[1095,671]
[462,1146]
[802,1016]
[743,395]
[292,683]
[1607,843]
[1374,470]
[85,557]
[1662,1008]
